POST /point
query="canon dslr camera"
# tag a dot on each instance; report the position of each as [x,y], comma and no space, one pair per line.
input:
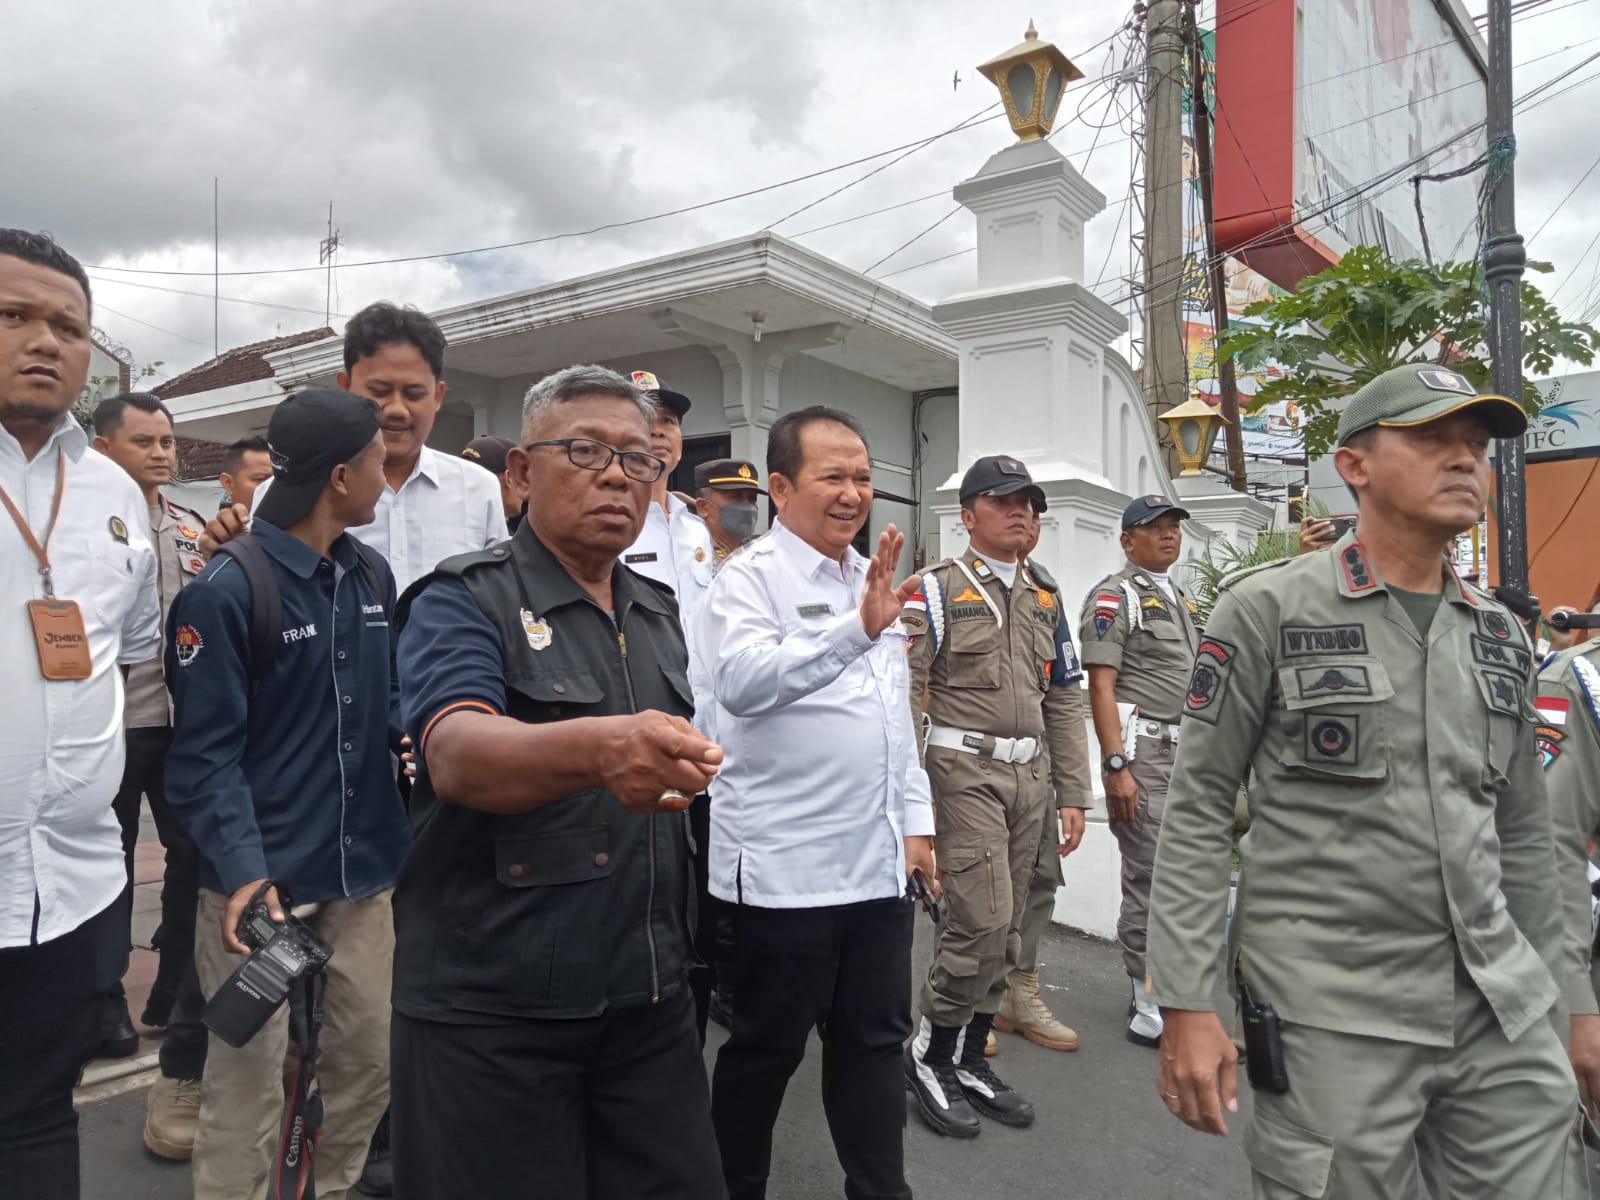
[280,955]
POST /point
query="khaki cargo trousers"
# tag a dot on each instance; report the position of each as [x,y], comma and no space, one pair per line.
[241,1093]
[988,817]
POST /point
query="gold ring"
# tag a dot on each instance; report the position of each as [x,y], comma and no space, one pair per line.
[673,798]
[1169,1095]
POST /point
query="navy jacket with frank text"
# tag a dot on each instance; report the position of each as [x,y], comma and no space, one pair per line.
[293,781]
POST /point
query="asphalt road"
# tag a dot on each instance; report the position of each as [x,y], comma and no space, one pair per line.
[1102,1132]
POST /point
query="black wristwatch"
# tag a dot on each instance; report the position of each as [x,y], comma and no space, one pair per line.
[1115,762]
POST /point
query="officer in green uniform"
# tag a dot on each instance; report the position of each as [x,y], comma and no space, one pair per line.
[1396,927]
[984,629]
[1139,632]
[1569,747]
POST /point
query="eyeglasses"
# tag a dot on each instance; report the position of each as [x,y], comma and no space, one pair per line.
[597,456]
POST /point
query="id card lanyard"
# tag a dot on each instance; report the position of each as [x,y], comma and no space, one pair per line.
[41,550]
[58,630]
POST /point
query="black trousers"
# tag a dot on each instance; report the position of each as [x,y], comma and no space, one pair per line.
[144,775]
[50,998]
[183,1050]
[610,1108]
[845,971]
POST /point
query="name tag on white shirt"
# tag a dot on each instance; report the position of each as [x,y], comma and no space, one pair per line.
[814,610]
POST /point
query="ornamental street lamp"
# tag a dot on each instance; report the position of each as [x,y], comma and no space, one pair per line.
[1193,425]
[1032,77]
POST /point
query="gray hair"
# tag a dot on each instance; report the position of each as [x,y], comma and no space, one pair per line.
[585,379]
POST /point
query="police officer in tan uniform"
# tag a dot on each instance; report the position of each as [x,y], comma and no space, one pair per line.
[998,736]
[1138,634]
[135,431]
[1397,921]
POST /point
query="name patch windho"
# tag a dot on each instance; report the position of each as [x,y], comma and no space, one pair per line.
[1304,641]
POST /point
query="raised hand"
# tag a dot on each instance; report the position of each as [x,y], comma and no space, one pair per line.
[881,602]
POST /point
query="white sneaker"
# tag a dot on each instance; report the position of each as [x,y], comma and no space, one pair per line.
[1145,1024]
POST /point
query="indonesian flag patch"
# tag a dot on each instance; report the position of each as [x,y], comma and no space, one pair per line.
[1553,709]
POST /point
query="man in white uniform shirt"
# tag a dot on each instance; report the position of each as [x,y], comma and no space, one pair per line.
[77,604]
[822,811]
[435,505]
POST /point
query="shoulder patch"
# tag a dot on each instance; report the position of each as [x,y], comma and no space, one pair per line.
[1209,679]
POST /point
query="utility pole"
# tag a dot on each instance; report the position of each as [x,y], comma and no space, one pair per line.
[1503,261]
[216,265]
[1216,285]
[325,254]
[1166,367]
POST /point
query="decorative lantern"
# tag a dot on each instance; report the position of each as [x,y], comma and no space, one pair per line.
[1194,425]
[1032,77]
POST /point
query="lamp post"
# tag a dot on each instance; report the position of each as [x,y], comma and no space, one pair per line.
[1032,77]
[1194,425]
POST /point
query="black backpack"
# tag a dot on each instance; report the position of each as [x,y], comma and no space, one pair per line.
[266,602]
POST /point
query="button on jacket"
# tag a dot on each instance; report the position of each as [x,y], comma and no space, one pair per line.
[1568,733]
[61,743]
[1398,816]
[1129,622]
[175,534]
[294,781]
[446,506]
[577,906]
[821,780]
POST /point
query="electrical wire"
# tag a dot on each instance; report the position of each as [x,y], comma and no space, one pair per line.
[182,337]
[1564,199]
[156,287]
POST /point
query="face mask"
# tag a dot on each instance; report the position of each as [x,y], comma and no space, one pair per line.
[738,517]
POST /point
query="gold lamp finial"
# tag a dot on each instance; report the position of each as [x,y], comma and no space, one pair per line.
[1032,77]
[1194,425]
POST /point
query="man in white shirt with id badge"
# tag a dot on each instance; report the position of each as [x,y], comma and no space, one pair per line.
[78,604]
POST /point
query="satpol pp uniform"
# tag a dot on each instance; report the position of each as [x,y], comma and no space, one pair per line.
[983,652]
[1148,628]
[1397,904]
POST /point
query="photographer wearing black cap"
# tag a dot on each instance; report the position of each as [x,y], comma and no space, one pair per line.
[280,771]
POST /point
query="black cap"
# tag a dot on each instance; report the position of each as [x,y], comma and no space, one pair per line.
[1147,508]
[310,434]
[1000,475]
[489,452]
[647,383]
[727,474]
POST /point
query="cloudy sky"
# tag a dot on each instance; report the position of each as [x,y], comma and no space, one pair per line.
[438,128]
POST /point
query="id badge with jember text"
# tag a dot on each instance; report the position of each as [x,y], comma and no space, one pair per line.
[60,638]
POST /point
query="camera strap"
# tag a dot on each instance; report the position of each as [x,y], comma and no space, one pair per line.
[293,1175]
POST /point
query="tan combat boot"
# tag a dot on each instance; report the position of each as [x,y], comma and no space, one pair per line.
[172,1113]
[1023,1010]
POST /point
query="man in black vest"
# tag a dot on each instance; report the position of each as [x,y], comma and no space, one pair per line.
[543,1033]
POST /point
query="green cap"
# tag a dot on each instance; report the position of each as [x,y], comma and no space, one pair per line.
[1418,393]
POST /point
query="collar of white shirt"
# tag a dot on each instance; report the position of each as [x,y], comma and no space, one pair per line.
[423,468]
[814,562]
[67,436]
